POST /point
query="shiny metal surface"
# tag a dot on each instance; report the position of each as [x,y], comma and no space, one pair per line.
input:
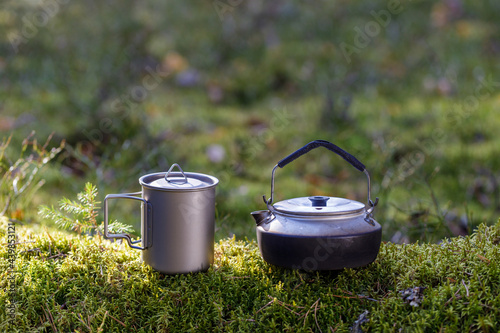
[177,223]
[330,206]
[183,230]
[370,205]
[322,253]
[319,232]
[320,242]
[295,225]
[177,181]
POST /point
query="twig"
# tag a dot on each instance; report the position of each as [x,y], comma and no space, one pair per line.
[466,288]
[50,237]
[99,329]
[307,313]
[57,255]
[265,306]
[356,297]
[283,304]
[452,297]
[119,322]
[315,317]
[360,296]
[483,258]
[44,147]
[84,323]
[348,297]
[49,317]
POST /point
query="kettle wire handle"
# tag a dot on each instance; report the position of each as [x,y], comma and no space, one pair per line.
[328,145]
[339,151]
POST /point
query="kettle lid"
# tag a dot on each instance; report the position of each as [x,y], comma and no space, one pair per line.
[319,205]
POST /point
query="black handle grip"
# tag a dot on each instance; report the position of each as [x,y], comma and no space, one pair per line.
[328,145]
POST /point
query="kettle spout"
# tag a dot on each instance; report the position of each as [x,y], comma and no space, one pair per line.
[262,216]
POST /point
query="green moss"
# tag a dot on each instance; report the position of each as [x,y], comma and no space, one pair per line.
[73,283]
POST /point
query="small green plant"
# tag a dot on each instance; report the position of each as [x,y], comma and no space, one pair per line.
[19,178]
[81,216]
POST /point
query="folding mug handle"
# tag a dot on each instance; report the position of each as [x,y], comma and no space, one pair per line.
[146,223]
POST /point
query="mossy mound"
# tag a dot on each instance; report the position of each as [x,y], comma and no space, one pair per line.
[69,283]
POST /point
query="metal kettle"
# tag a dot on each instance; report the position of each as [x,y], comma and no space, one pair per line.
[318,232]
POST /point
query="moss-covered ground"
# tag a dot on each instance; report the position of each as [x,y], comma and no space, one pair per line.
[86,284]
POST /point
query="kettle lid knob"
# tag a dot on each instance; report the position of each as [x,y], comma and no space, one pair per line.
[319,201]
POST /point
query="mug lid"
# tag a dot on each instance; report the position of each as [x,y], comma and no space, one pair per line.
[319,205]
[178,181]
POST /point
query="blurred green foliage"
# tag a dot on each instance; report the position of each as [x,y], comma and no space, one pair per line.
[408,87]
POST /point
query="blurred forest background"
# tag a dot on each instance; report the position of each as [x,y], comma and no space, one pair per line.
[228,88]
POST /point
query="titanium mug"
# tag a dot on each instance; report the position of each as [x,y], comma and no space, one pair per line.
[177,220]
